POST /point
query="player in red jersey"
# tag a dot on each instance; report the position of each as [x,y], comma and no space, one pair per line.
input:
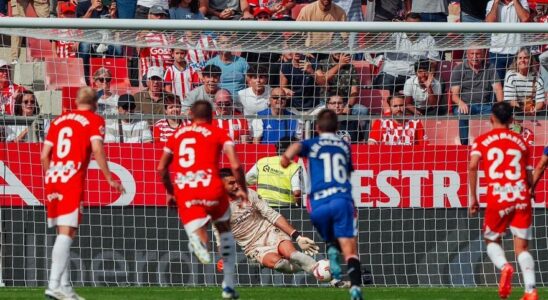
[71,140]
[539,170]
[505,161]
[198,189]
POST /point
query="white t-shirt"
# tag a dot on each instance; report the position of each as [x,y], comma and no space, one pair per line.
[13,131]
[506,14]
[149,3]
[134,132]
[413,89]
[252,103]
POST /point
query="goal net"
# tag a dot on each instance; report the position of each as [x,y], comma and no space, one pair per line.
[396,86]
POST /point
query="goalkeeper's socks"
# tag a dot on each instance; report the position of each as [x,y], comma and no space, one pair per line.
[334,262]
[496,254]
[306,262]
[354,271]
[65,275]
[228,251]
[59,259]
[527,266]
[284,266]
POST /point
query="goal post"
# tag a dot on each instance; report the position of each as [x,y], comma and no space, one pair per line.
[411,198]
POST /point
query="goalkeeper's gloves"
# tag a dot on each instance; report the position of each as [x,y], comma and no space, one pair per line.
[308,246]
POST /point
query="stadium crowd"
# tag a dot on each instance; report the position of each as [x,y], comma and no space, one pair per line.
[412,82]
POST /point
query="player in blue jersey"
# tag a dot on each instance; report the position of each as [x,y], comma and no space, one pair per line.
[330,203]
[537,173]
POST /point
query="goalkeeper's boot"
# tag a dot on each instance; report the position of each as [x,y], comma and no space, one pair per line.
[530,296]
[505,283]
[72,293]
[342,284]
[196,246]
[57,294]
[230,293]
[334,256]
[355,293]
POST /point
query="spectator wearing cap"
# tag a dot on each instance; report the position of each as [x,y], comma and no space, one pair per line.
[129,128]
[322,11]
[8,89]
[19,9]
[151,100]
[144,8]
[65,48]
[211,75]
[228,10]
[108,101]
[255,98]
[229,119]
[186,10]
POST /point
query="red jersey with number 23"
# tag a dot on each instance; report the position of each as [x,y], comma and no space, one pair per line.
[505,158]
[196,150]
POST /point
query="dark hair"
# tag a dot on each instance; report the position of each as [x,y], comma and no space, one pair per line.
[392,97]
[337,93]
[212,71]
[422,64]
[283,144]
[193,6]
[503,112]
[257,70]
[225,172]
[126,101]
[18,103]
[413,15]
[327,121]
[170,99]
[203,110]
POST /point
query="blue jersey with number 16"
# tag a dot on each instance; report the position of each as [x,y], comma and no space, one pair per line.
[329,167]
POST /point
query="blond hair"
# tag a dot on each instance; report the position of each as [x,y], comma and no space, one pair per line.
[86,96]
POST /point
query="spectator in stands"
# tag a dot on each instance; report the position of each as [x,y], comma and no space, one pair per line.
[352,9]
[130,128]
[255,98]
[195,43]
[144,6]
[179,77]
[108,101]
[422,91]
[505,11]
[474,85]
[324,11]
[399,66]
[211,75]
[540,14]
[8,89]
[473,10]
[25,106]
[186,10]
[151,100]
[272,129]
[277,10]
[431,10]
[298,73]
[337,76]
[19,9]
[399,130]
[126,9]
[232,121]
[65,48]
[228,10]
[386,10]
[166,127]
[233,68]
[523,85]
[3,7]
[350,131]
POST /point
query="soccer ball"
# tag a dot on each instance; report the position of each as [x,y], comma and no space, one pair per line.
[322,271]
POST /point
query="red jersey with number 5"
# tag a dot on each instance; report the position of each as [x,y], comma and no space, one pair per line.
[196,150]
[505,158]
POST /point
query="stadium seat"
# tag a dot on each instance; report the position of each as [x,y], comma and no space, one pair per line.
[68,97]
[296,10]
[118,68]
[60,72]
[442,132]
[445,69]
[37,49]
[363,69]
[374,99]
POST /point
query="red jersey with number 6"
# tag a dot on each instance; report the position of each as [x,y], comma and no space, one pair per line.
[196,150]
[505,158]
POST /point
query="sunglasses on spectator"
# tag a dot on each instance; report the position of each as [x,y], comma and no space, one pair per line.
[102,80]
[29,102]
[223,103]
[281,98]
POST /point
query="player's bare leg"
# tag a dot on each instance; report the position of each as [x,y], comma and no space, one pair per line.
[349,250]
[228,252]
[497,256]
[60,257]
[527,266]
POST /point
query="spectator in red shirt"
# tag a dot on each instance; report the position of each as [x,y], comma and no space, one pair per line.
[65,48]
[399,130]
[236,128]
[165,128]
[8,90]
[277,9]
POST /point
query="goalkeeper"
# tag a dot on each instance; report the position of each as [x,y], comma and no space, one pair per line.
[265,235]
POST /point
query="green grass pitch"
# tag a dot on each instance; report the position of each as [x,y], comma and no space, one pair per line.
[271,293]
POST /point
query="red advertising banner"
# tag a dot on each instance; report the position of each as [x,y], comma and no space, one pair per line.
[396,176]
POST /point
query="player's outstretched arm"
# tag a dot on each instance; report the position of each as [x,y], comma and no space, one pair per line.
[45,156]
[100,157]
[163,170]
[290,153]
[473,204]
[237,171]
[539,170]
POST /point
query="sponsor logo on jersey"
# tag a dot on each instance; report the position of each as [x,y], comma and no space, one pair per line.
[193,179]
[62,172]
